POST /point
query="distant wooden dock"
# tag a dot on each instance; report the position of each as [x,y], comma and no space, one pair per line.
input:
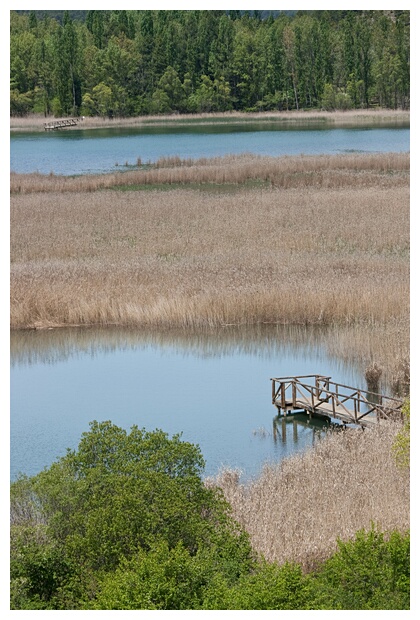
[319,396]
[61,124]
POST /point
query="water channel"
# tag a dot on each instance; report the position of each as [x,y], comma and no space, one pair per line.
[214,387]
[78,151]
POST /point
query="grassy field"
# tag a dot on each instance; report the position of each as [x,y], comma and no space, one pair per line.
[315,240]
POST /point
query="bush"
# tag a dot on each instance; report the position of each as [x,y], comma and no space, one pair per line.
[110,501]
[369,572]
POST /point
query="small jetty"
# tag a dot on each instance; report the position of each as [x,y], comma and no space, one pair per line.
[317,395]
[61,124]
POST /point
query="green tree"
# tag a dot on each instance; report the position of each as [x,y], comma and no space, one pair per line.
[274,63]
[268,587]
[170,94]
[67,67]
[114,499]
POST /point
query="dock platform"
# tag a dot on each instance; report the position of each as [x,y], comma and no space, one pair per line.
[317,395]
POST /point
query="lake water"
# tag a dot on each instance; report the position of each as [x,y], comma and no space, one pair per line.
[214,387]
[103,150]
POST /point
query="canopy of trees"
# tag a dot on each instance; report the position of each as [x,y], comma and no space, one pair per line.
[128,63]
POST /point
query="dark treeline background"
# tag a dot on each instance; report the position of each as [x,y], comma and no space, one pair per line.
[128,63]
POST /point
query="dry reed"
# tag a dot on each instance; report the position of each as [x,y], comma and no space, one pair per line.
[323,171]
[373,375]
[296,510]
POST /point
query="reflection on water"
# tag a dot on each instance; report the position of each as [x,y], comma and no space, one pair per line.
[294,427]
[54,345]
[213,386]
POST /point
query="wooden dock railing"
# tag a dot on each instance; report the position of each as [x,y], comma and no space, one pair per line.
[61,124]
[318,395]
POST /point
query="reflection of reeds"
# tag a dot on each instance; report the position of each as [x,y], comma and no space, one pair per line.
[349,345]
[311,254]
[296,510]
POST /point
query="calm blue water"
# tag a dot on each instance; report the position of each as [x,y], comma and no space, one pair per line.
[213,388]
[99,151]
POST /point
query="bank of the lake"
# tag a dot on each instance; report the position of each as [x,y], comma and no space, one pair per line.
[362,117]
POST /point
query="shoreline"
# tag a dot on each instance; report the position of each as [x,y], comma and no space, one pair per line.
[337,119]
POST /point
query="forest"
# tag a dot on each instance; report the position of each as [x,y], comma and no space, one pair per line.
[126,63]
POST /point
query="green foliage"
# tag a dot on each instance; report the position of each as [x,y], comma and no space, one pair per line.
[167,578]
[369,572]
[181,61]
[37,569]
[269,586]
[116,496]
[401,445]
[126,522]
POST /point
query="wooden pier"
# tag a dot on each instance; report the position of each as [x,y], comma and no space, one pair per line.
[319,396]
[61,124]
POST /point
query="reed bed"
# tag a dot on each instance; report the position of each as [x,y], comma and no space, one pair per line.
[323,171]
[313,254]
[36,122]
[296,510]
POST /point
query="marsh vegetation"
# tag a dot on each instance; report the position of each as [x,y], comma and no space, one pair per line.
[292,240]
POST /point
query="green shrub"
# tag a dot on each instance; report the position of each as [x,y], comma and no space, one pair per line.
[114,497]
[268,586]
[369,572]
[126,522]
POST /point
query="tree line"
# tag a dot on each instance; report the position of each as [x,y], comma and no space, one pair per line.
[128,63]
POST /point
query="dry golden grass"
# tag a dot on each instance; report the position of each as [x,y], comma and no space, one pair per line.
[36,122]
[296,510]
[327,242]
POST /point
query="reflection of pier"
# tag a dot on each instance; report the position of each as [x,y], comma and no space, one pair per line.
[298,422]
[317,395]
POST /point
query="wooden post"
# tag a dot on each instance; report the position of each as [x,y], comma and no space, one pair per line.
[283,396]
[294,394]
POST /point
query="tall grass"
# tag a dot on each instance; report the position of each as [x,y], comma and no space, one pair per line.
[296,510]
